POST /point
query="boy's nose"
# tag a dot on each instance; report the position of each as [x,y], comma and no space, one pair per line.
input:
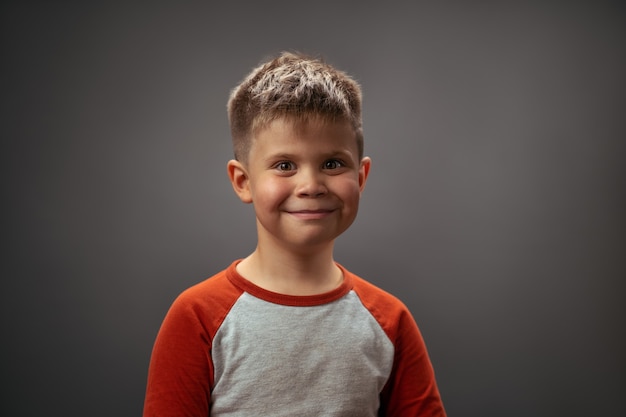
[311,184]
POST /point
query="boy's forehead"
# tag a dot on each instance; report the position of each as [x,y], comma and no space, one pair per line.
[289,132]
[308,127]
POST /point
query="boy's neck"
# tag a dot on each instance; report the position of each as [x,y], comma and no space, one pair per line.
[292,273]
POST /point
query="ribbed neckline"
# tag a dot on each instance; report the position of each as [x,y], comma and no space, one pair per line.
[289,300]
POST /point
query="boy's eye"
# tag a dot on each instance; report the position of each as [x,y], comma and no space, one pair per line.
[332,164]
[284,166]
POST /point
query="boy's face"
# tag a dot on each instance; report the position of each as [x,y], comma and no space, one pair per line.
[305,183]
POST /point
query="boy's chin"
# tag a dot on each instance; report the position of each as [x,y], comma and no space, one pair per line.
[312,242]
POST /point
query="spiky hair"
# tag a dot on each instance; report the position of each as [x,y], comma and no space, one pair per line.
[293,86]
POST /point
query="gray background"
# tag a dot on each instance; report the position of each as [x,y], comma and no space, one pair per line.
[495,206]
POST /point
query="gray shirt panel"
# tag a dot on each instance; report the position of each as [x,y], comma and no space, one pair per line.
[275,360]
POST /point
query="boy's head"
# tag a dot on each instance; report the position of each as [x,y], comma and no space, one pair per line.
[292,87]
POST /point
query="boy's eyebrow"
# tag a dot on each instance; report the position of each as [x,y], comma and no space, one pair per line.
[340,152]
[281,155]
[335,153]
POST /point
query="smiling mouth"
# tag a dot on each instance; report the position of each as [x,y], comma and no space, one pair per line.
[310,214]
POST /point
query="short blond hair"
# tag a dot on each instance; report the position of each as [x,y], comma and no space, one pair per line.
[297,87]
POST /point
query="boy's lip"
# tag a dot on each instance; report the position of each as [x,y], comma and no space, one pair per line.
[310,214]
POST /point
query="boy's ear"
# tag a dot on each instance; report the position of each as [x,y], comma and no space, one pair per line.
[364,170]
[239,180]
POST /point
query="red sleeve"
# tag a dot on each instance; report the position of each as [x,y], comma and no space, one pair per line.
[411,390]
[181,370]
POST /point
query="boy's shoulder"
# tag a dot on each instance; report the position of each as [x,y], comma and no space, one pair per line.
[221,286]
[206,298]
[210,287]
[221,291]
[390,312]
[373,293]
[206,304]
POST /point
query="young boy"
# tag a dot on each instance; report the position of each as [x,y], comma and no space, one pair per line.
[287,331]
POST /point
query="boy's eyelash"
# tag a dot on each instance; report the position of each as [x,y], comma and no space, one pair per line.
[288,165]
[338,162]
[284,165]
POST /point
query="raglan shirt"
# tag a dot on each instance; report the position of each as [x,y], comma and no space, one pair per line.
[230,348]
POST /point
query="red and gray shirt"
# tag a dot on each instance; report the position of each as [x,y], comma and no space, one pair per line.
[230,348]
